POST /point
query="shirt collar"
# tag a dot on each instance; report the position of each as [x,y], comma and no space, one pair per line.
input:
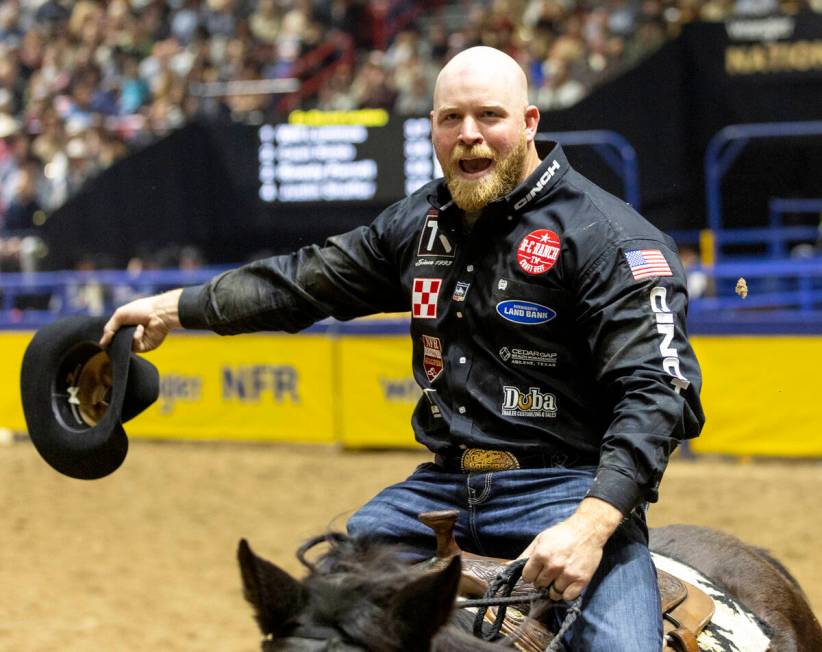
[538,184]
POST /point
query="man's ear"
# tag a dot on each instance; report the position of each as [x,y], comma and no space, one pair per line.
[531,122]
[277,597]
[423,605]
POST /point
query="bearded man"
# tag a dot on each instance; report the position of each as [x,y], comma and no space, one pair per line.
[549,341]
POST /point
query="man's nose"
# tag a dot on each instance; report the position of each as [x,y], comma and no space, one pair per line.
[469,132]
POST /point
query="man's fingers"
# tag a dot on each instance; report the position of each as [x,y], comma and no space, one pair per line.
[109,330]
[538,573]
[527,552]
[137,343]
[572,591]
[531,569]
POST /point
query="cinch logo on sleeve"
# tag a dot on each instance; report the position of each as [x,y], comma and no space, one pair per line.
[665,327]
[524,312]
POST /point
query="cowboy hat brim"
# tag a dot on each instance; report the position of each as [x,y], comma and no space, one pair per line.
[65,436]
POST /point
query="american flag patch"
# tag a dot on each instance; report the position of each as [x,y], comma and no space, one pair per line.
[645,263]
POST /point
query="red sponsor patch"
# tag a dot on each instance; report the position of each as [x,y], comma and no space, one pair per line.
[424,297]
[538,251]
[432,357]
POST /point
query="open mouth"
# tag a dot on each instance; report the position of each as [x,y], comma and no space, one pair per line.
[475,165]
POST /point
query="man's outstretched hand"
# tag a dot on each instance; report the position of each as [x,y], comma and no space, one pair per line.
[153,316]
[565,557]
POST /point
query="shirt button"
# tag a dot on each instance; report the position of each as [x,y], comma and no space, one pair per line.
[459,315]
[461,409]
[463,446]
[470,268]
[509,218]
[463,360]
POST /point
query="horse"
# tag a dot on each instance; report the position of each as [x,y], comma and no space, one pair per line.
[364,595]
[751,576]
[360,595]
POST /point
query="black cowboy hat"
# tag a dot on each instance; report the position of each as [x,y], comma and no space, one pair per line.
[76,395]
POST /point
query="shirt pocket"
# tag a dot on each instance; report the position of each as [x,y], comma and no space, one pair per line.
[524,305]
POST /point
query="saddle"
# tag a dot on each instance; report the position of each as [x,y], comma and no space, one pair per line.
[686,609]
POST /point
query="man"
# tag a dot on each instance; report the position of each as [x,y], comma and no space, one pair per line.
[548,326]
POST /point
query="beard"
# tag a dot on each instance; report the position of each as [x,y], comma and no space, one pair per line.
[472,195]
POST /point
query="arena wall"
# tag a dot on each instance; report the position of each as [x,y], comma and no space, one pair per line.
[357,389]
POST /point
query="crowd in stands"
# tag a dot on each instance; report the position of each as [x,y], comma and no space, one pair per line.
[84,82]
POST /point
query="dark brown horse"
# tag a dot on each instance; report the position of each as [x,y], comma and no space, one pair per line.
[365,596]
[752,576]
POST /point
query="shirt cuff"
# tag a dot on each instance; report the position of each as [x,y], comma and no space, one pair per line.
[617,489]
[192,307]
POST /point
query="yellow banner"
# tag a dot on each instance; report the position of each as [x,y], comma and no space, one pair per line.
[377,391]
[254,387]
[760,393]
[12,347]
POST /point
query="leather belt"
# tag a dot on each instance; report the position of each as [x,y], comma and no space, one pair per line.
[481,460]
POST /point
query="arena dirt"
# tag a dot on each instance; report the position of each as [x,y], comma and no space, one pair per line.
[144,559]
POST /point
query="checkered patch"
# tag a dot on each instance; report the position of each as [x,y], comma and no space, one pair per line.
[424,297]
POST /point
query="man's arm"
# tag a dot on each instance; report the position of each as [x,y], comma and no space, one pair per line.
[155,317]
[646,369]
[353,274]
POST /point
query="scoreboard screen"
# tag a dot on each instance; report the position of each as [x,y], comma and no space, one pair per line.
[379,160]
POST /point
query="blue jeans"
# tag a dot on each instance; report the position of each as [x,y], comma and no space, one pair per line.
[499,515]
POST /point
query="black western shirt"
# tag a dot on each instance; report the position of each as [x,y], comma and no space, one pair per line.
[556,323]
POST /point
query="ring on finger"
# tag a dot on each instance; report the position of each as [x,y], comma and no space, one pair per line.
[554,590]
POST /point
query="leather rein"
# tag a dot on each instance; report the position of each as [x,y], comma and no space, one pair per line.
[499,595]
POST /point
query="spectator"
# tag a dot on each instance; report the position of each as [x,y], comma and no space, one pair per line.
[559,90]
[187,21]
[19,219]
[76,76]
[265,21]
[415,99]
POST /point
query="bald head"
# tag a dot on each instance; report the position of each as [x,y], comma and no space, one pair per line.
[482,127]
[483,70]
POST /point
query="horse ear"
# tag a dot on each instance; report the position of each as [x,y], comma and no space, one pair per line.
[276,596]
[423,605]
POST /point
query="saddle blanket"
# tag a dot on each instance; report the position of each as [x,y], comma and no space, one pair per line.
[733,627]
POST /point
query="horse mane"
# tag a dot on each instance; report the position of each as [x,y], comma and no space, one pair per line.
[373,595]
[353,584]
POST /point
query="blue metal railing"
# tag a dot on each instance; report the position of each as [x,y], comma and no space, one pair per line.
[32,300]
[612,147]
[779,206]
[783,296]
[728,143]
[773,239]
